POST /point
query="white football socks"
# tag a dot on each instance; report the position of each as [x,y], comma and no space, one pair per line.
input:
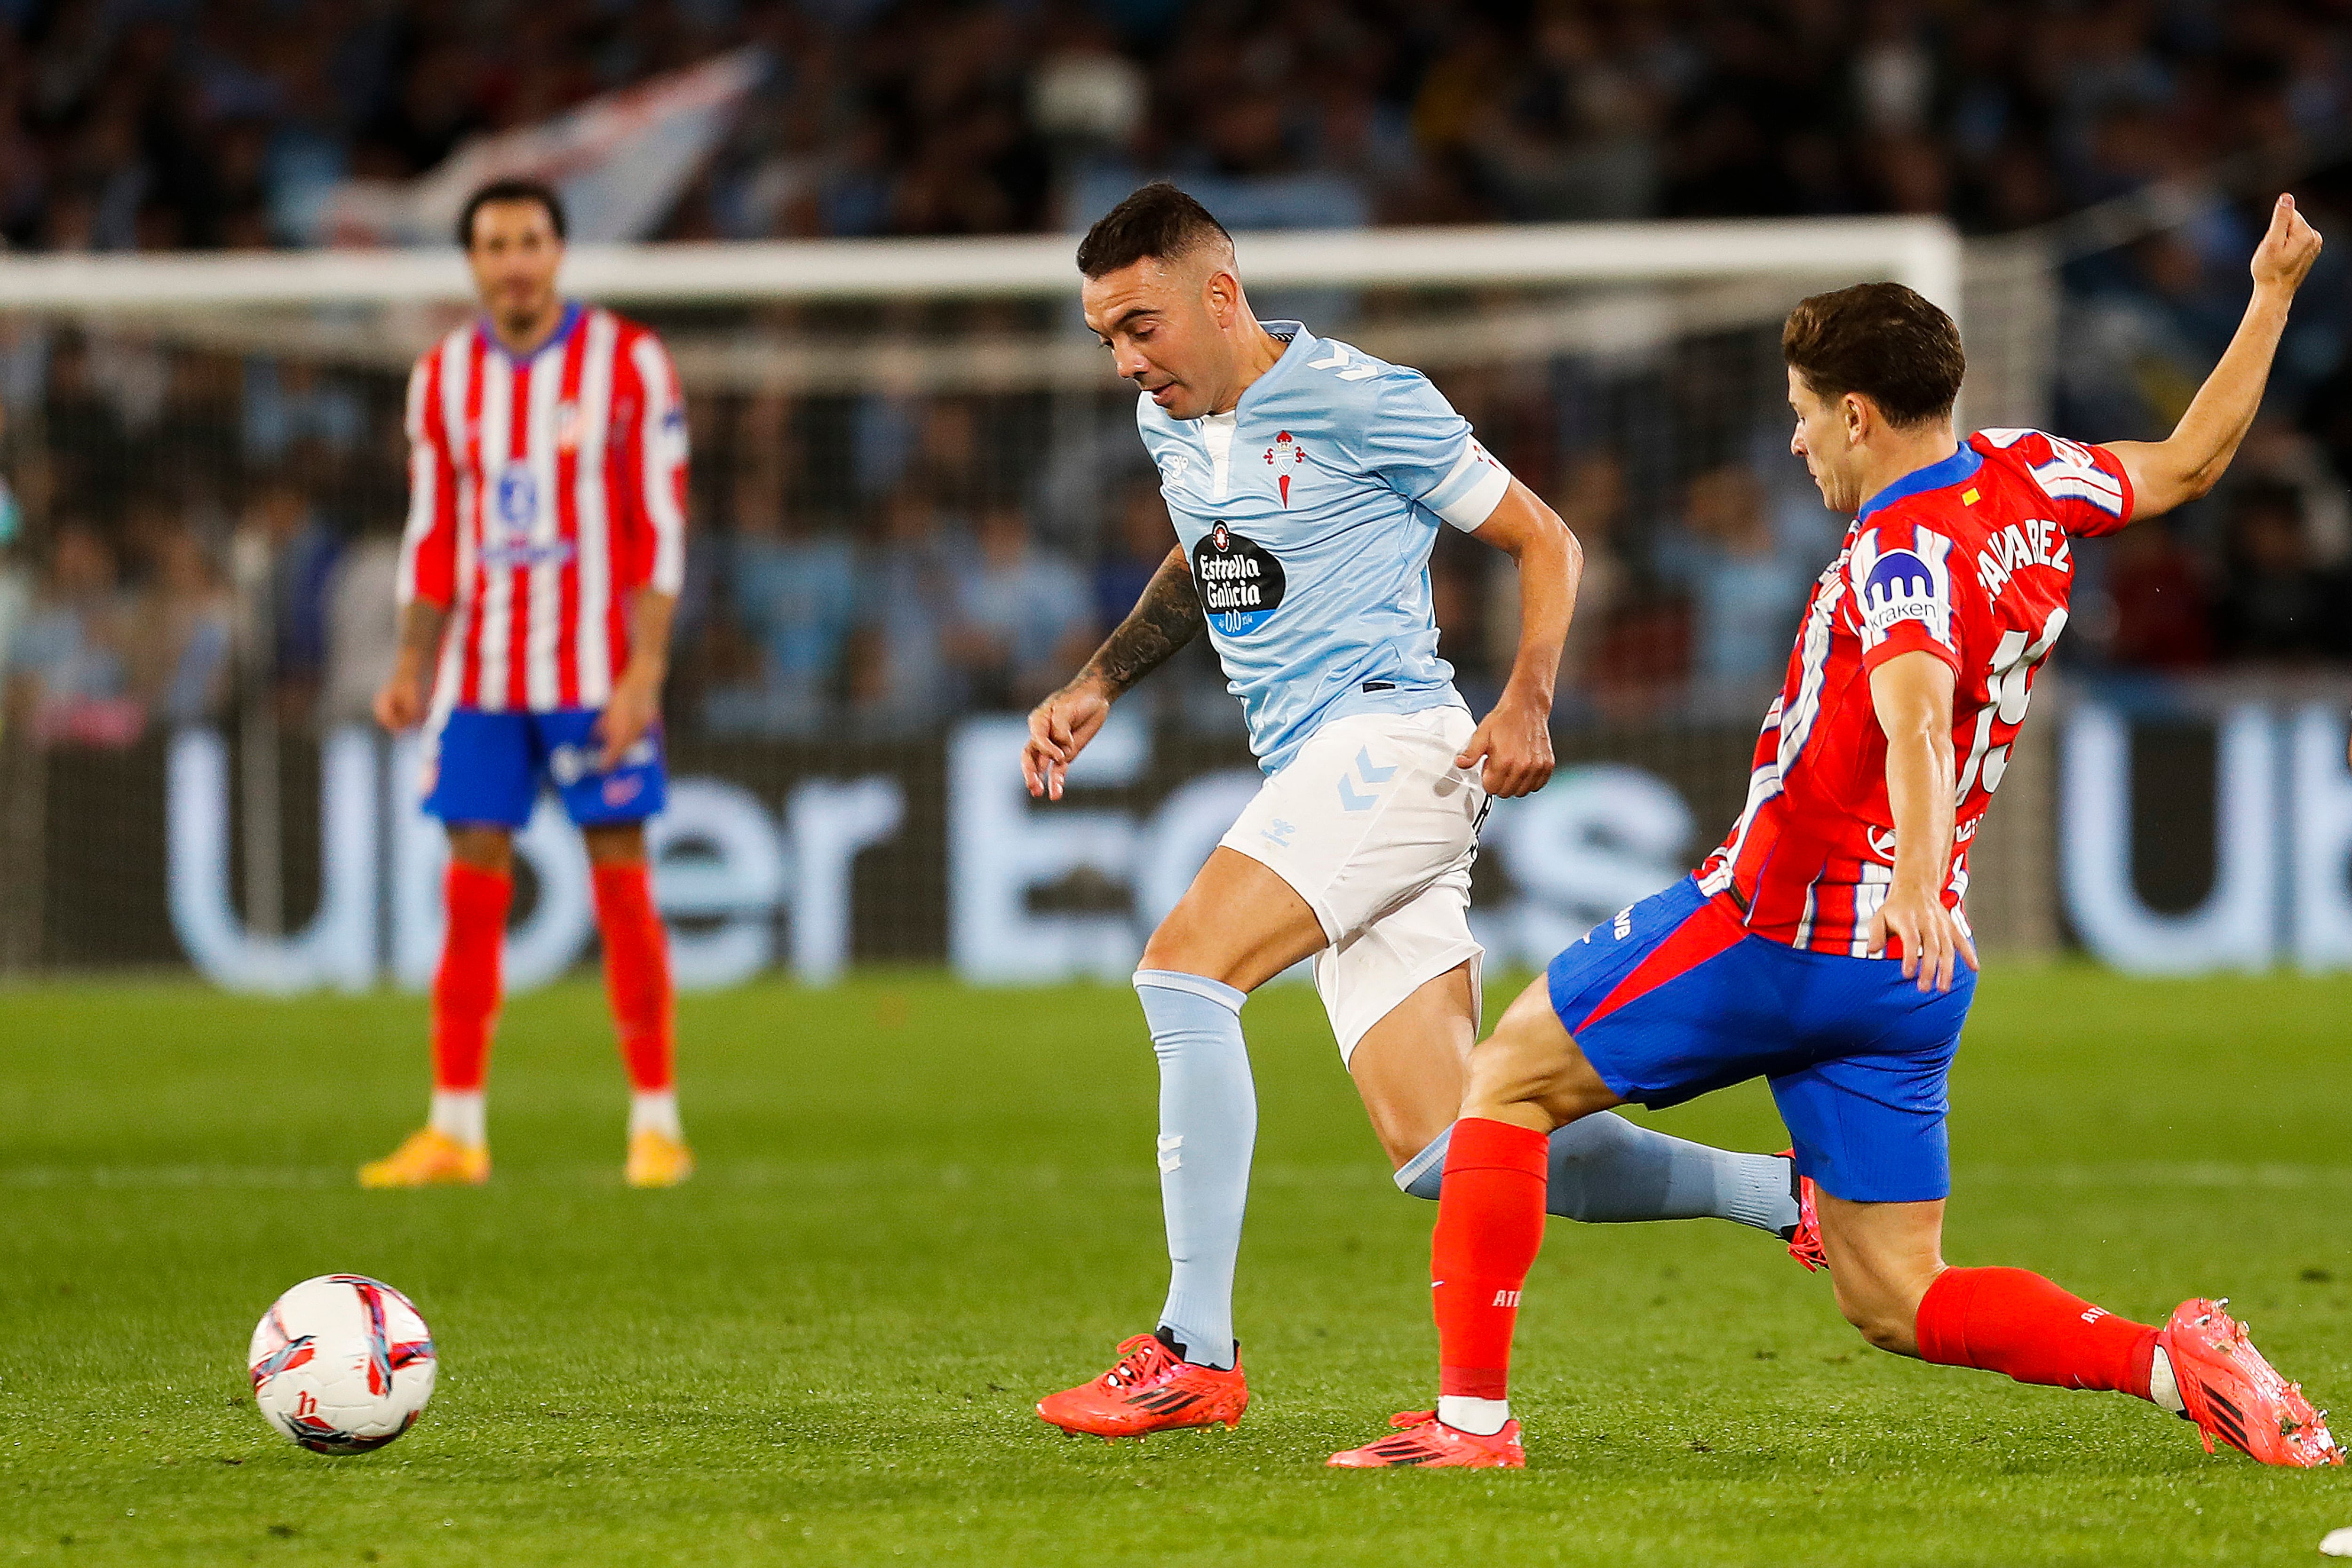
[1481,1417]
[458,1113]
[656,1112]
[2163,1390]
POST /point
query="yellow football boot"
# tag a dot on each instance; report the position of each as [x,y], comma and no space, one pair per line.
[657,1160]
[428,1157]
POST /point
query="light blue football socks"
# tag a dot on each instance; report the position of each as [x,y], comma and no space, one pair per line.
[1208,1127]
[1606,1170]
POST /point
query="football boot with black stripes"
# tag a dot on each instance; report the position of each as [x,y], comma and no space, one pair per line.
[1150,1388]
[2233,1394]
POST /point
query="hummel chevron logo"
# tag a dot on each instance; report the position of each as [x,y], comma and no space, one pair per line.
[1171,1155]
[1335,356]
[1348,798]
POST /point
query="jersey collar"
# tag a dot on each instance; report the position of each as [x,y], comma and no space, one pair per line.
[1301,345]
[1936,475]
[570,318]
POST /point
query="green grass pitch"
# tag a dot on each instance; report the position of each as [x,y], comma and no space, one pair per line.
[921,1206]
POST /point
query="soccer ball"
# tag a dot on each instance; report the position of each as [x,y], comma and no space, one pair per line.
[342,1363]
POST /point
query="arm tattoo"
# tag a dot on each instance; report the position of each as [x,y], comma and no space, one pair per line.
[1166,619]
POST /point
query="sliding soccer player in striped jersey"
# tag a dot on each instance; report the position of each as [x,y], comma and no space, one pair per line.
[545,548]
[1824,947]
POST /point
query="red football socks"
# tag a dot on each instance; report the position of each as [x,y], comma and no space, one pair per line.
[1490,1223]
[636,972]
[2015,1322]
[466,987]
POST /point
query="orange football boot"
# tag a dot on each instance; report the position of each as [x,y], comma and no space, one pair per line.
[1150,1389]
[657,1160]
[1805,1241]
[2234,1395]
[1424,1442]
[428,1157]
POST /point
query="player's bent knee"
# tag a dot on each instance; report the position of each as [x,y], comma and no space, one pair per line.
[1882,1324]
[1530,1059]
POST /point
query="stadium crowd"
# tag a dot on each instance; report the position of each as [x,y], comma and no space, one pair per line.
[187,517]
[151,123]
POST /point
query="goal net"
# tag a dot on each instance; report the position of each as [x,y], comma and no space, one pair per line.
[917,497]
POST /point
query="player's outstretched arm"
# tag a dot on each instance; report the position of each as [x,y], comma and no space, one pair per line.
[2191,461]
[1513,742]
[1912,695]
[1164,619]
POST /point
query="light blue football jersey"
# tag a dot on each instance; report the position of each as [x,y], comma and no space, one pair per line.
[1308,513]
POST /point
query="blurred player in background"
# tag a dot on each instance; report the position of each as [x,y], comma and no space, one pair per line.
[1824,945]
[545,548]
[1306,482]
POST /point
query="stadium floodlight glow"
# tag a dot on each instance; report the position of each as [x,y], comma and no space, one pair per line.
[1924,252]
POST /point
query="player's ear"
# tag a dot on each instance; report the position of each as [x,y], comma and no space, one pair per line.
[1858,414]
[1224,292]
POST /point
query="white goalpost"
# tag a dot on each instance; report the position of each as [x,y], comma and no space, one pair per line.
[1633,286]
[1924,252]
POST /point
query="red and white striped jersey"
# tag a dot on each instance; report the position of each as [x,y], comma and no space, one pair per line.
[1965,560]
[544,489]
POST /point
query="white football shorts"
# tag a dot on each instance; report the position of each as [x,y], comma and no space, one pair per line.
[1376,828]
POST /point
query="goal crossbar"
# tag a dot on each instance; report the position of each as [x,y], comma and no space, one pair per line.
[1920,251]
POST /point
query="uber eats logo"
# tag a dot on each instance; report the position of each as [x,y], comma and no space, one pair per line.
[1240,582]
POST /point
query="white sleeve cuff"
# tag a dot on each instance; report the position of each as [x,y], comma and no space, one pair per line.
[1476,487]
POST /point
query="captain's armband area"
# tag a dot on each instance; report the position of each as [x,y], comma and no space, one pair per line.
[1469,496]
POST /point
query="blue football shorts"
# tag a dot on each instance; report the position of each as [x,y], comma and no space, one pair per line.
[488,768]
[1674,997]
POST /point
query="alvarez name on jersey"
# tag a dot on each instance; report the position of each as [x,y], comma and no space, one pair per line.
[1308,513]
[1967,560]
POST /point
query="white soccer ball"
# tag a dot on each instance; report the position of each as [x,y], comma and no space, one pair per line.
[342,1363]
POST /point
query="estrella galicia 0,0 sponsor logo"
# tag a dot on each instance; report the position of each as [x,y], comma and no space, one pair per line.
[1240,581]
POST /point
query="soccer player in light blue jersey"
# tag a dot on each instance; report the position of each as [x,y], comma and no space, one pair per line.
[1307,482]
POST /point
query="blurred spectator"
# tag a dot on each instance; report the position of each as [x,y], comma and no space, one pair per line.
[68,670]
[361,628]
[1592,501]
[2276,605]
[2276,453]
[181,639]
[1138,544]
[287,554]
[1745,591]
[794,596]
[901,680]
[188,124]
[1024,615]
[17,601]
[2162,618]
[1461,572]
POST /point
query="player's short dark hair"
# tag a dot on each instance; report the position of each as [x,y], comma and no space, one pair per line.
[1157,223]
[1888,342]
[511,189]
